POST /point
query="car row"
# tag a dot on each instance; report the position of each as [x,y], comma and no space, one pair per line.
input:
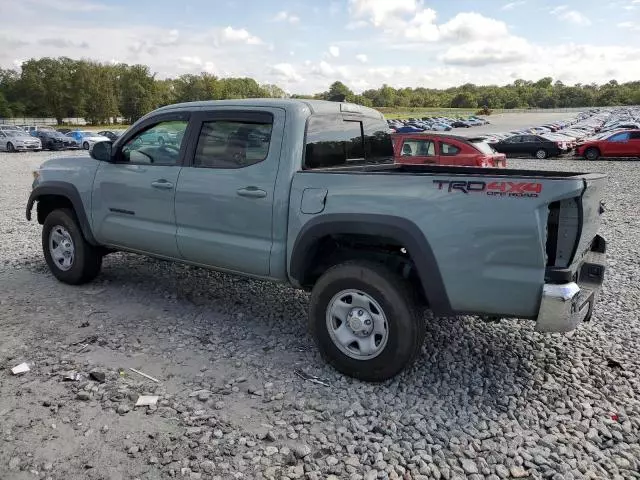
[437,124]
[612,132]
[35,137]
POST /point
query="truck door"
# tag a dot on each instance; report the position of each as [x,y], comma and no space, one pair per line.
[133,198]
[224,196]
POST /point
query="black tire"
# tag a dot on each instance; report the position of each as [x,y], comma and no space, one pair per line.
[86,145]
[541,154]
[10,147]
[394,295]
[592,153]
[87,258]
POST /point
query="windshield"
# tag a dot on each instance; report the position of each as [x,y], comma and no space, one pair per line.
[15,133]
[484,147]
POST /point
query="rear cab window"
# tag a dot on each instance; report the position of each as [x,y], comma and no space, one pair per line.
[342,140]
[448,150]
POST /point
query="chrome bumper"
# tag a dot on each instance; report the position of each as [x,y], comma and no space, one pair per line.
[564,306]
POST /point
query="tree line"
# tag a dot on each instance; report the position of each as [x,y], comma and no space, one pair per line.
[63,87]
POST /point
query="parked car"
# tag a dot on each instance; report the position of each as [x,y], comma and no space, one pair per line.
[320,207]
[619,144]
[54,140]
[112,135]
[438,149]
[460,124]
[534,145]
[85,138]
[18,141]
[64,130]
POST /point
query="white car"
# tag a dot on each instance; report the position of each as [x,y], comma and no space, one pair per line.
[17,141]
[86,138]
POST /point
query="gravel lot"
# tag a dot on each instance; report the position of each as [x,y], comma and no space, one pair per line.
[484,400]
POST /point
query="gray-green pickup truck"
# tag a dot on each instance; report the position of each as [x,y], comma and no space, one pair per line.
[305,192]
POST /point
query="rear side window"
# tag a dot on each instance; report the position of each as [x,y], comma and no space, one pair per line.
[232,144]
[334,141]
[418,148]
[448,149]
[635,135]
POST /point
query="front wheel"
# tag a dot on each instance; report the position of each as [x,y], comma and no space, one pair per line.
[364,320]
[85,145]
[541,154]
[69,256]
[591,154]
[10,147]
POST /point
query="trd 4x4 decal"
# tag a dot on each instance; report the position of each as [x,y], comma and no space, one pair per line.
[497,189]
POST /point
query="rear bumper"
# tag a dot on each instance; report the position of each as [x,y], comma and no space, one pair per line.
[565,305]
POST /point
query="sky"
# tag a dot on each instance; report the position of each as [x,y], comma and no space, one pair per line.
[305,45]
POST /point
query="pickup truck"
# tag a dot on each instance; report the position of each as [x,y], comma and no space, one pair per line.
[306,192]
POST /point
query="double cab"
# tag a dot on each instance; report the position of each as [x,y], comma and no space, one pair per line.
[306,192]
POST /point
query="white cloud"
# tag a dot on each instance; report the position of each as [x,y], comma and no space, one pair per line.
[286,72]
[285,16]
[563,12]
[481,52]
[470,26]
[334,51]
[423,26]
[356,25]
[362,58]
[240,35]
[512,5]
[382,12]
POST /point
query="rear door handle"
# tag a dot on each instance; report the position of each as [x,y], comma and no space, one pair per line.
[162,184]
[251,192]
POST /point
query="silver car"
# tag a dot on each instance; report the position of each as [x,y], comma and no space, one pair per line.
[15,141]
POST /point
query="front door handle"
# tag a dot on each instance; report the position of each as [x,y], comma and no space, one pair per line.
[251,192]
[162,184]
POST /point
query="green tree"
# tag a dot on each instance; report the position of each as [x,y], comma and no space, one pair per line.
[137,91]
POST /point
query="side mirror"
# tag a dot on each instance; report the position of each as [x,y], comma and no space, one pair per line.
[101,151]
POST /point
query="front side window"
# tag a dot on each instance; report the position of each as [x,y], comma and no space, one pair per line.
[635,136]
[232,144]
[418,148]
[448,149]
[516,139]
[158,145]
[620,137]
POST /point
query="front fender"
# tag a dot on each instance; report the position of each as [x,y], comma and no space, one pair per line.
[68,191]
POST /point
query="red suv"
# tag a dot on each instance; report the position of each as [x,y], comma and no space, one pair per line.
[624,143]
[435,149]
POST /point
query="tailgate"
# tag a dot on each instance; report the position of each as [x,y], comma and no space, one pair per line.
[573,224]
[592,208]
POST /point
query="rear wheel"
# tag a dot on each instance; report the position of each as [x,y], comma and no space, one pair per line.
[541,154]
[69,256]
[364,320]
[85,145]
[592,154]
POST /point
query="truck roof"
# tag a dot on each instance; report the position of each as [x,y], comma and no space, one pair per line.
[314,106]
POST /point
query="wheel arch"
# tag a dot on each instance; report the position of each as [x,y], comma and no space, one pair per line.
[402,231]
[55,194]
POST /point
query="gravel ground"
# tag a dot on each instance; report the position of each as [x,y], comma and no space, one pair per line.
[484,400]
